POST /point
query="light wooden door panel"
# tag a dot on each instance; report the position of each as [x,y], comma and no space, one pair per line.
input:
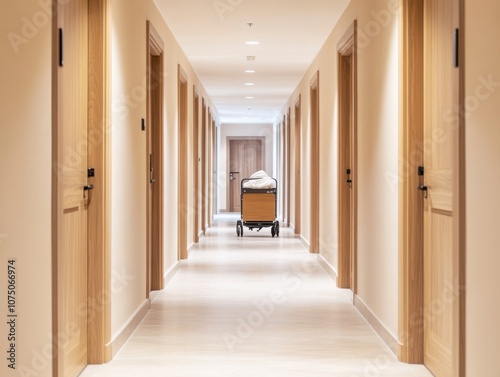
[154,160]
[73,292]
[73,126]
[245,159]
[440,312]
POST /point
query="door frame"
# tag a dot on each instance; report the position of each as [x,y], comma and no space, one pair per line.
[297,164]
[154,137]
[411,270]
[204,168]
[182,217]
[99,255]
[347,144]
[314,115]
[229,139]
[196,165]
[210,168]
[286,189]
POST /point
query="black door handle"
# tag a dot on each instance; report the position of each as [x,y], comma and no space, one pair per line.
[424,189]
[88,187]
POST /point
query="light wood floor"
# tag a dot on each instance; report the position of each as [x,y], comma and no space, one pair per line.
[253,306]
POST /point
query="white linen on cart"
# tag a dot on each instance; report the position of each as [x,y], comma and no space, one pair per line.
[262,181]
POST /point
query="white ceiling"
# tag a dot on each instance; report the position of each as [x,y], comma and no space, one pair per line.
[212,33]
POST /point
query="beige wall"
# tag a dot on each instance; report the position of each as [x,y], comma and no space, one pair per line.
[378,87]
[25,165]
[239,130]
[25,182]
[483,183]
[128,150]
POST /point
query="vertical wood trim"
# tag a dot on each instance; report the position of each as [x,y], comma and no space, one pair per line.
[203,166]
[459,195]
[288,168]
[229,203]
[196,167]
[210,175]
[411,272]
[285,163]
[183,165]
[354,161]
[57,191]
[99,254]
[297,164]
[314,164]
[214,178]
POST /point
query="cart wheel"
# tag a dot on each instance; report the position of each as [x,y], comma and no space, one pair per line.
[277,230]
[272,231]
[239,229]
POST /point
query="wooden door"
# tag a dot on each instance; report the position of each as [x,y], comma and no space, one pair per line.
[154,161]
[246,157]
[440,273]
[347,174]
[72,105]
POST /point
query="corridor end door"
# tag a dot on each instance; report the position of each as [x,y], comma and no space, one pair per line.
[246,156]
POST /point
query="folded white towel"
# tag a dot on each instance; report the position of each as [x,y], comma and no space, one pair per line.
[263,181]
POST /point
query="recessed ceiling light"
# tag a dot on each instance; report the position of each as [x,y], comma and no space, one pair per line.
[249,84]
[252,43]
[249,71]
[249,97]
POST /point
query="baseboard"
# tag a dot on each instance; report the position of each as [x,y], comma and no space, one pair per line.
[190,248]
[119,341]
[304,242]
[171,273]
[201,234]
[327,267]
[384,334]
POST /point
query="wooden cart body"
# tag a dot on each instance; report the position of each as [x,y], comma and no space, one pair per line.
[258,209]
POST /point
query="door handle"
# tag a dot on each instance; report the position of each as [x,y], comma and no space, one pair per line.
[424,189]
[231,175]
[88,187]
[348,180]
